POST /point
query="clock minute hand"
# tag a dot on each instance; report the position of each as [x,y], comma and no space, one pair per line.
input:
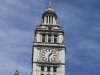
[49,56]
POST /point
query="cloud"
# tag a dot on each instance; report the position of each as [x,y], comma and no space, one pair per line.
[80,20]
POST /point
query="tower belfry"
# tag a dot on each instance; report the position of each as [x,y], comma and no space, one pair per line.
[48,52]
[49,16]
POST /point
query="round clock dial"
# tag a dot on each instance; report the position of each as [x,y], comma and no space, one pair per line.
[49,55]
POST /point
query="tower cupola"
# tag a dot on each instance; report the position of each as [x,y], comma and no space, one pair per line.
[49,16]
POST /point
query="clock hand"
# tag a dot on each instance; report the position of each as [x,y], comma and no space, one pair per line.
[49,56]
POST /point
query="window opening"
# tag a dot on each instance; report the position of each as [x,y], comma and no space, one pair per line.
[49,28]
[54,69]
[48,69]
[55,38]
[47,19]
[43,37]
[42,68]
[49,37]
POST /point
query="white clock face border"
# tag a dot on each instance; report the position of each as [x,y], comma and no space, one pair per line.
[49,55]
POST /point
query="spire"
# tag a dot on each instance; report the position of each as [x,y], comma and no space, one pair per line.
[49,7]
[49,4]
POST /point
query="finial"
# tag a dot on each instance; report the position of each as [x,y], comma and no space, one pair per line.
[16,72]
[49,5]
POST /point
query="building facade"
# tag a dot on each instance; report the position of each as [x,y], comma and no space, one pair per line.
[48,52]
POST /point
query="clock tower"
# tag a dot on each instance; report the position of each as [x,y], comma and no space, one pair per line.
[48,52]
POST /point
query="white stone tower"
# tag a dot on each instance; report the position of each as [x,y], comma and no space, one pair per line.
[48,52]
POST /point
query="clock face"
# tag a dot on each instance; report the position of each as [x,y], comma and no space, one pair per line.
[49,55]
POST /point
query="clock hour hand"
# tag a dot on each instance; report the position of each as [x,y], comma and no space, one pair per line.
[50,54]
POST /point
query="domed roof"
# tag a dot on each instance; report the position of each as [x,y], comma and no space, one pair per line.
[49,10]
